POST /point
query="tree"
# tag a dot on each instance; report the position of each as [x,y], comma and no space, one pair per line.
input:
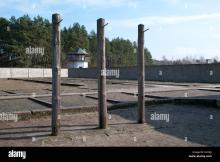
[122,53]
[148,57]
[24,32]
[92,49]
[74,37]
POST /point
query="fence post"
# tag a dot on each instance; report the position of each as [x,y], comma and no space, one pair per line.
[56,105]
[101,64]
[141,75]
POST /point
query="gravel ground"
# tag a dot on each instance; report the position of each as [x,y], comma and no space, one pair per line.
[188,93]
[187,126]
[89,85]
[76,100]
[191,122]
[19,105]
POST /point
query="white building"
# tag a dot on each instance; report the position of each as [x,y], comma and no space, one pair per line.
[77,59]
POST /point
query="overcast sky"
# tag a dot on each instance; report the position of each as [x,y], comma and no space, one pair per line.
[178,28]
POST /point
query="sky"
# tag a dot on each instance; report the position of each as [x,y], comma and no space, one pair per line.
[178,28]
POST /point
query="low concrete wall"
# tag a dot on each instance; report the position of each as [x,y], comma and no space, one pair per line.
[207,73]
[48,73]
[5,72]
[19,73]
[29,73]
[64,72]
[35,73]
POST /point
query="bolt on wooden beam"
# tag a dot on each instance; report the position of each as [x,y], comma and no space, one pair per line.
[141,74]
[56,52]
[101,63]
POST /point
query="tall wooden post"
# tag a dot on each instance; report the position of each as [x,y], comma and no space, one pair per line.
[101,64]
[141,74]
[56,51]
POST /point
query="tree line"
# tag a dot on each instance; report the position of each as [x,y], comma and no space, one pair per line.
[18,34]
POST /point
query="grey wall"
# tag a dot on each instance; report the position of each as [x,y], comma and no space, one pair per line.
[173,73]
[185,73]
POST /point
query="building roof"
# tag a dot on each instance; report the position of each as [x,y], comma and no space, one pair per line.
[79,51]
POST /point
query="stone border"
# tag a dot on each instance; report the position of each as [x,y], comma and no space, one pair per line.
[27,115]
[47,82]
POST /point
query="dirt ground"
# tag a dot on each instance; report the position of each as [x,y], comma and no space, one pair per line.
[119,91]
[187,126]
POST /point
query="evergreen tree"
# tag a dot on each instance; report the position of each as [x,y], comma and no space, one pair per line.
[24,32]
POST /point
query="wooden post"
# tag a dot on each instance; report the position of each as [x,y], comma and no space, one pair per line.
[56,51]
[101,64]
[141,75]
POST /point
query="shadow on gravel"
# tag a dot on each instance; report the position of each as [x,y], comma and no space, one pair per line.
[193,123]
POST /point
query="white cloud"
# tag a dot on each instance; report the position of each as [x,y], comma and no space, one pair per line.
[33,6]
[173,2]
[215,36]
[187,51]
[161,20]
[39,6]
[133,4]
[186,6]
[193,52]
[196,52]
[94,3]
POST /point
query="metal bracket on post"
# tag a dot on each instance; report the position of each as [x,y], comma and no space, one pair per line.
[59,21]
[105,25]
[146,30]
